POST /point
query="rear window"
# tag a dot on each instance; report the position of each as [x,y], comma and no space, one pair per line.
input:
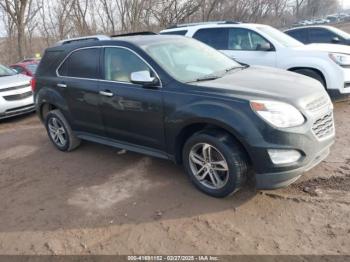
[49,63]
[181,32]
[215,37]
[300,35]
[82,63]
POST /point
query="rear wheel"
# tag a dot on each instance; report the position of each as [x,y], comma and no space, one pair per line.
[60,132]
[215,163]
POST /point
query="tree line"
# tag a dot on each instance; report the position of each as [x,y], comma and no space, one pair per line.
[31,25]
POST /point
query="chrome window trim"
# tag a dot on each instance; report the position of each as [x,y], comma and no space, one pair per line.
[104,80]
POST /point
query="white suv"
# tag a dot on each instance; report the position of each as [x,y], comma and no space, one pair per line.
[16,96]
[256,44]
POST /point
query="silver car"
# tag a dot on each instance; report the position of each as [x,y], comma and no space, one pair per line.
[16,96]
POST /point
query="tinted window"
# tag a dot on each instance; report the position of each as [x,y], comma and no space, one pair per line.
[119,63]
[300,35]
[318,35]
[83,63]
[215,37]
[243,39]
[182,32]
[18,69]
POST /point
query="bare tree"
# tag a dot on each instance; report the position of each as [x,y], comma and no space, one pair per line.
[21,12]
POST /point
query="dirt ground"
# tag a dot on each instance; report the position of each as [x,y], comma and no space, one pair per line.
[98,200]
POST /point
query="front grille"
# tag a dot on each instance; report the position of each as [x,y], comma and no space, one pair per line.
[13,88]
[318,103]
[324,126]
[18,96]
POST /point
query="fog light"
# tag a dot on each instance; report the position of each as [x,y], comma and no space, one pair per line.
[280,156]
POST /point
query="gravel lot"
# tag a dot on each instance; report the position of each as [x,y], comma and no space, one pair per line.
[102,201]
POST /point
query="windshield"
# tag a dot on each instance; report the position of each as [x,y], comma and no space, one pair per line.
[343,34]
[5,71]
[32,68]
[189,60]
[280,37]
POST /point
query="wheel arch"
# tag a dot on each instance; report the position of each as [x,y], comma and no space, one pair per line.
[215,128]
[49,99]
[318,71]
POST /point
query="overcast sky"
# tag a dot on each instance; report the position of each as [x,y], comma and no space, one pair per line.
[346,3]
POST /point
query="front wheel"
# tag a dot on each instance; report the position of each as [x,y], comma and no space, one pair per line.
[216,164]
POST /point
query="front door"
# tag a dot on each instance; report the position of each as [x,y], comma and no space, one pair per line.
[243,46]
[131,112]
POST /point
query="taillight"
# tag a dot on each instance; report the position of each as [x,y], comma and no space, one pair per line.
[33,83]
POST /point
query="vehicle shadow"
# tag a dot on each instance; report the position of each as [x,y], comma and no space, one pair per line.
[42,188]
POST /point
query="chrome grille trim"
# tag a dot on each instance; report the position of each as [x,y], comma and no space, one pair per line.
[324,126]
[18,96]
[318,104]
[14,88]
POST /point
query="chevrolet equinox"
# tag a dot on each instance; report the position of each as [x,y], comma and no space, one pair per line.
[176,98]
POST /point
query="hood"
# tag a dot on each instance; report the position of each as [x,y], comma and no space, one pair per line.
[331,48]
[14,80]
[268,83]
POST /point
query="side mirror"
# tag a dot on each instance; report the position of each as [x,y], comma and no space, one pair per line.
[335,39]
[264,47]
[143,78]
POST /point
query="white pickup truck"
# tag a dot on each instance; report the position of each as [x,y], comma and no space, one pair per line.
[256,44]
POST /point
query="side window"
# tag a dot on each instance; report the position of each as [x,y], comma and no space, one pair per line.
[318,35]
[182,32]
[300,34]
[18,69]
[82,63]
[119,63]
[243,39]
[215,37]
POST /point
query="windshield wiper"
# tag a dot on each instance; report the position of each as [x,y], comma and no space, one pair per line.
[236,67]
[205,78]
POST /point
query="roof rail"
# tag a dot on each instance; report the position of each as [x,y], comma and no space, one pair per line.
[135,33]
[84,38]
[203,23]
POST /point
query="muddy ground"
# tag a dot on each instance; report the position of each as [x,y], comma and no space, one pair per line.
[98,200]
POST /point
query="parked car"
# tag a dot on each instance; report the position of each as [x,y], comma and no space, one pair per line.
[256,44]
[26,68]
[16,96]
[319,34]
[210,113]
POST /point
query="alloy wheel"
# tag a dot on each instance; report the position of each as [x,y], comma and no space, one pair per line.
[209,166]
[57,132]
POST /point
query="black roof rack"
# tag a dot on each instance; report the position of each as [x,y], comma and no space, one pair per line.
[84,38]
[203,23]
[135,33]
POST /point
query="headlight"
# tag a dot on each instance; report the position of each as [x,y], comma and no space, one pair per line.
[278,114]
[340,59]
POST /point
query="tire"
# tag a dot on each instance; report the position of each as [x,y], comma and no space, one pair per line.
[311,73]
[64,140]
[222,146]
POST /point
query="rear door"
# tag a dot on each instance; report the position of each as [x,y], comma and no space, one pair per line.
[79,82]
[301,35]
[238,43]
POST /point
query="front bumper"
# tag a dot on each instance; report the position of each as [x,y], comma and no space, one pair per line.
[285,178]
[16,102]
[312,140]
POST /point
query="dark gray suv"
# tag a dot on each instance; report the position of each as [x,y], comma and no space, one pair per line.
[176,98]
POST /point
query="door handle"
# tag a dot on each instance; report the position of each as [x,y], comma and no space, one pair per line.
[62,85]
[106,93]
